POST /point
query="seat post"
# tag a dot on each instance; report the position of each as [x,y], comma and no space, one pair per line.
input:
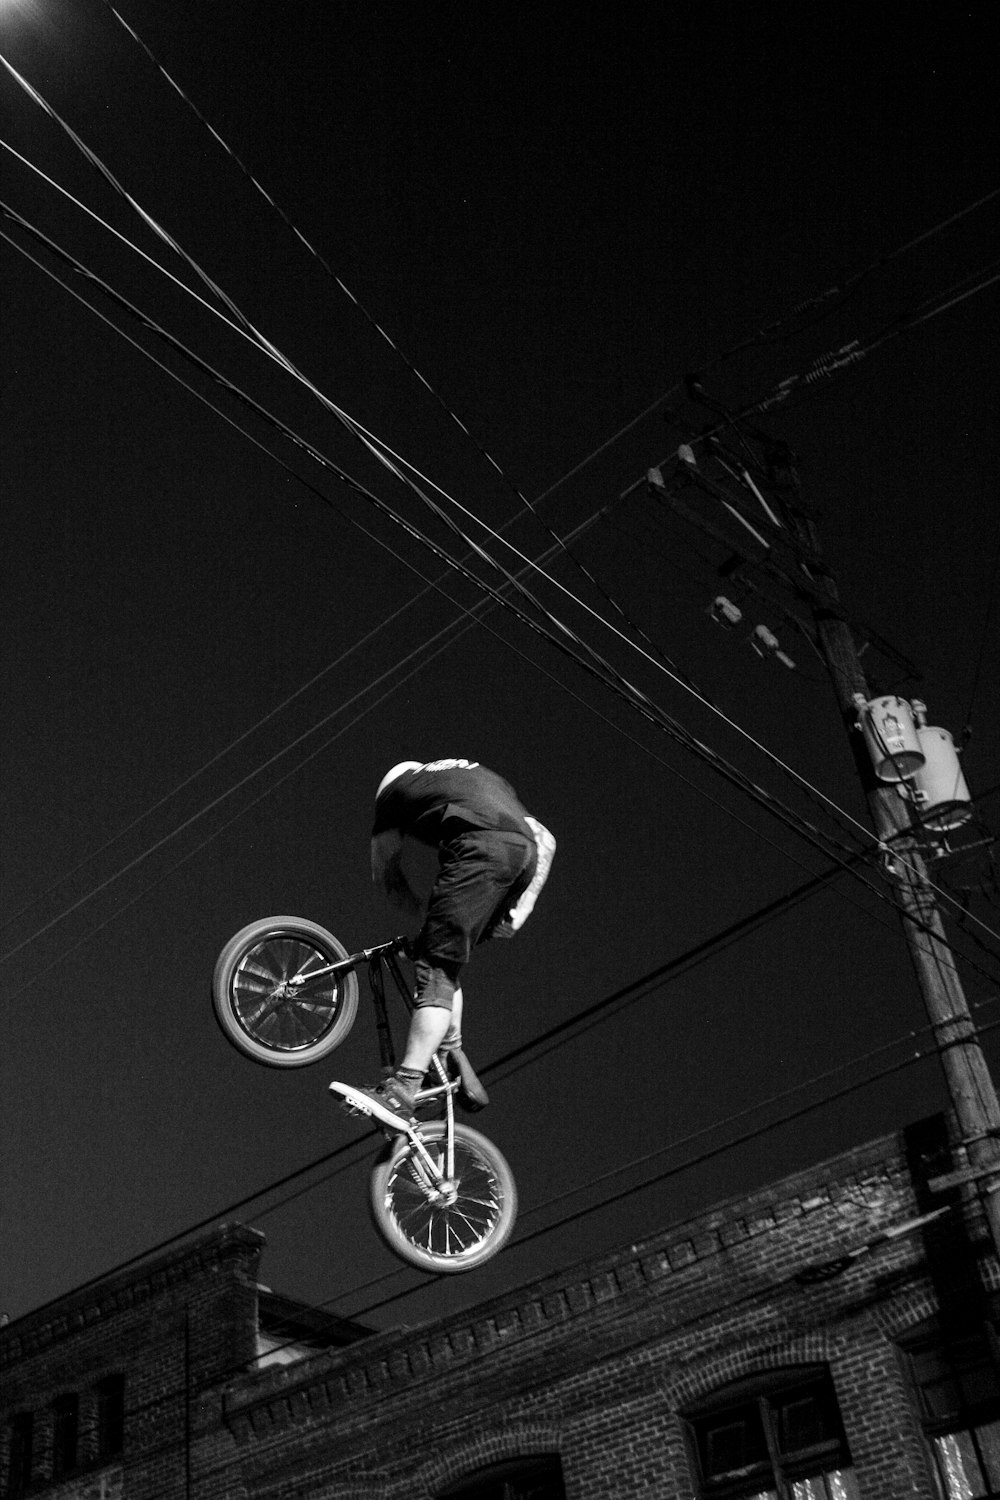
[376,983]
[405,990]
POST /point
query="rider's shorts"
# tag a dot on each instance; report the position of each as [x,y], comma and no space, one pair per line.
[481,876]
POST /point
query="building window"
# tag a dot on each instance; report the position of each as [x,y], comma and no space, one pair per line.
[520,1479]
[777,1437]
[110,1417]
[21,1435]
[65,1432]
[958,1383]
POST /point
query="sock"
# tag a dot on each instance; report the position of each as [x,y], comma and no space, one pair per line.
[410,1079]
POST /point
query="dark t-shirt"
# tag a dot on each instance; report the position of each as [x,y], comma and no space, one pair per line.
[445,796]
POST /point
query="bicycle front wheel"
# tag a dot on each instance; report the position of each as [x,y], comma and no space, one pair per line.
[444,1227]
[265,1001]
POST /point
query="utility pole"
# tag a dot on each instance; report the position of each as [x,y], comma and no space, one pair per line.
[970,1086]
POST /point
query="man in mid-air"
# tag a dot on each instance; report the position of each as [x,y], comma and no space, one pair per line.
[493,859]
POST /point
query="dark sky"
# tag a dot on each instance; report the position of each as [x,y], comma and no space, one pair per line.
[554,220]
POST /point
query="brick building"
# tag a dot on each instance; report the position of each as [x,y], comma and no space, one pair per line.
[832,1337]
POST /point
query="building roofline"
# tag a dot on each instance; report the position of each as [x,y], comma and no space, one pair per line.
[396,1358]
[102,1296]
[654,1259]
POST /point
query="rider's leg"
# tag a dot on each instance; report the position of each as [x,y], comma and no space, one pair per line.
[398,1092]
[428,1027]
[453,1036]
[476,870]
[429,1023]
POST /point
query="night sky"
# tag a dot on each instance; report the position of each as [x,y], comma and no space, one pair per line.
[207,666]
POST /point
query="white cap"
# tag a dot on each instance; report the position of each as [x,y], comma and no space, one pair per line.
[390,776]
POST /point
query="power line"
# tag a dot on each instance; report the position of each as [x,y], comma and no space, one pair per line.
[429,586]
[381,450]
[846,289]
[311,248]
[487,1072]
[595,664]
[560,542]
[603,669]
[874,1242]
[761,336]
[673,1171]
[320,496]
[793,389]
[378,448]
[942,309]
[391,461]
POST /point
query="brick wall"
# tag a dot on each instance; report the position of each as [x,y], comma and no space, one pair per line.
[169,1328]
[597,1363]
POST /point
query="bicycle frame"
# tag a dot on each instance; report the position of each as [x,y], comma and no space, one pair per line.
[441,1195]
[381,959]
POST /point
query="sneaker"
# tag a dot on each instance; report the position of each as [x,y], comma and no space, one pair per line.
[390,1102]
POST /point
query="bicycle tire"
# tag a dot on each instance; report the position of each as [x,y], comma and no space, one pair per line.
[444,1237]
[283,1030]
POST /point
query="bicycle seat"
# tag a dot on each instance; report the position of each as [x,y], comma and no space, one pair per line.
[471,1094]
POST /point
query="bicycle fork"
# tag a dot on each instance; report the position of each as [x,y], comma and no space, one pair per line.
[379,959]
[436,1183]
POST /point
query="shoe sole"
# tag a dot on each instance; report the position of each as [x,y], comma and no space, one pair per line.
[362,1103]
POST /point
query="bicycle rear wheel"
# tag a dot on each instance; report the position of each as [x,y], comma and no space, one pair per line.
[264,1011]
[449,1230]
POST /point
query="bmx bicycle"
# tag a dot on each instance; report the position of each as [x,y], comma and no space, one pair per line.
[441,1195]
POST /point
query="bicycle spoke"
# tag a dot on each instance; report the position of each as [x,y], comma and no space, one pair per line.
[261,1012]
[250,970]
[271,1010]
[445,1232]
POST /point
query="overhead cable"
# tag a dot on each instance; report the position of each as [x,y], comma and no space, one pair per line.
[377,447]
[689,1163]
[824,303]
[297,1174]
[392,461]
[283,216]
[593,662]
[315,727]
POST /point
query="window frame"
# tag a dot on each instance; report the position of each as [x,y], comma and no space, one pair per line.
[65,1434]
[110,1435]
[20,1453]
[776,1464]
[503,1475]
[970,1417]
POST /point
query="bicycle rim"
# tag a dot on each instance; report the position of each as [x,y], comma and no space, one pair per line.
[297,1023]
[450,1232]
[268,1016]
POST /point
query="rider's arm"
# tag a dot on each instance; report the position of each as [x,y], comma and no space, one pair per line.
[387,871]
[546,846]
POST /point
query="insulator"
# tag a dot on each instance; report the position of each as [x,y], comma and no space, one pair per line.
[725,612]
[763,641]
